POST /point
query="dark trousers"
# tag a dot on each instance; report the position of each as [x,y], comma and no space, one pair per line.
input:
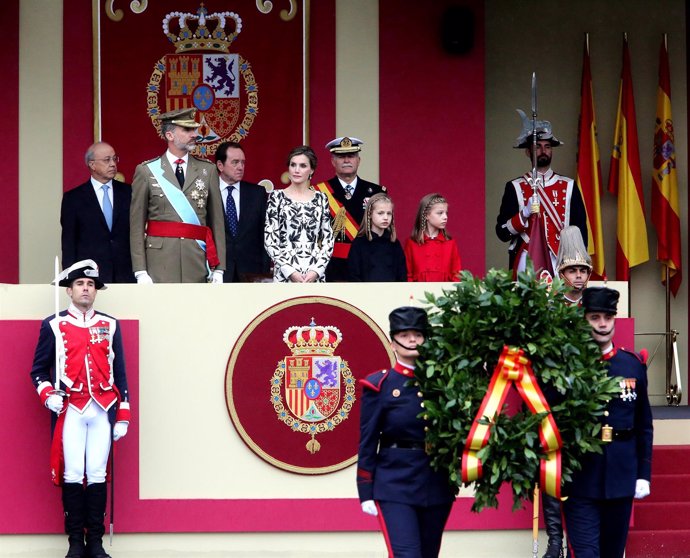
[413,531]
[597,528]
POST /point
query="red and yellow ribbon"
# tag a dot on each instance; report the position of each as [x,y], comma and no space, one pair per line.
[513,366]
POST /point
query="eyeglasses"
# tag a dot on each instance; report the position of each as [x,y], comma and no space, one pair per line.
[107,160]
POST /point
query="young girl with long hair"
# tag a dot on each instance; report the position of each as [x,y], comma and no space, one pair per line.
[431,253]
[376,253]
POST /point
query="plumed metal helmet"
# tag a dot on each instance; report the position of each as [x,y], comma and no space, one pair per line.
[600,299]
[406,318]
[84,269]
[571,250]
[544,132]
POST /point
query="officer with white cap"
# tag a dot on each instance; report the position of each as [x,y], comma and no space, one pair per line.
[347,195]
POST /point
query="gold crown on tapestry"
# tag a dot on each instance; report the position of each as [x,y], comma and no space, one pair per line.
[312,339]
[194,32]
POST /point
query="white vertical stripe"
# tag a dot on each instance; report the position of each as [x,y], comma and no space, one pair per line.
[357,78]
[40,137]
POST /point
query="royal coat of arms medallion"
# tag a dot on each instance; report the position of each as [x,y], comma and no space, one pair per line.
[291,382]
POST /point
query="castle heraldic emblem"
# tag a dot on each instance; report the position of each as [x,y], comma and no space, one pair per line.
[312,390]
[291,382]
[204,74]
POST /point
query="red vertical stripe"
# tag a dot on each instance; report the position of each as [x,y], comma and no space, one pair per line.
[9,100]
[77,91]
[322,81]
[432,121]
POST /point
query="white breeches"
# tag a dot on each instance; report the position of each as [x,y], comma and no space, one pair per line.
[86,444]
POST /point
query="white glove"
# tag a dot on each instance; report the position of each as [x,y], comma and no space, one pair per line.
[143,278]
[641,489]
[217,277]
[120,430]
[55,403]
[369,507]
[527,211]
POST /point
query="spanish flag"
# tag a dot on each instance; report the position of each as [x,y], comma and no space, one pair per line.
[665,208]
[625,179]
[589,166]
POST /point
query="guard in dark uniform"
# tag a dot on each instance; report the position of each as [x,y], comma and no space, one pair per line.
[394,476]
[600,496]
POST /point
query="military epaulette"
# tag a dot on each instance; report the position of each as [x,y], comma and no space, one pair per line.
[641,356]
[374,381]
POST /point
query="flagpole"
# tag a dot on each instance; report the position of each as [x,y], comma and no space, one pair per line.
[669,341]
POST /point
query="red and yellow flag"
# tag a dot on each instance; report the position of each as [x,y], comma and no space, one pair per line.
[589,167]
[665,208]
[625,179]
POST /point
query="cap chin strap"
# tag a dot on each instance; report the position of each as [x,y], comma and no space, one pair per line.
[569,284]
[403,346]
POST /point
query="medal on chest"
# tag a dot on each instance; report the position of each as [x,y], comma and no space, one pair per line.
[98,334]
[628,392]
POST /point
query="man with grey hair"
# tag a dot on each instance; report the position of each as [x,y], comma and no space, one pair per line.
[177,227]
[95,218]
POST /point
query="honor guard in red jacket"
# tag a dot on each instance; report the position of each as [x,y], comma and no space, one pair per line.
[394,475]
[91,401]
[600,497]
[559,199]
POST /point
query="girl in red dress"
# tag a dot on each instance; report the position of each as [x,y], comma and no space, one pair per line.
[431,253]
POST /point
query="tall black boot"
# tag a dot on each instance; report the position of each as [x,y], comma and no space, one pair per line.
[73,504]
[96,497]
[554,528]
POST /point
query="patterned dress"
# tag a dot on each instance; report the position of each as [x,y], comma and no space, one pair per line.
[298,235]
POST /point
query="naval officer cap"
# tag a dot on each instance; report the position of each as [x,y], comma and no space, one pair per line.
[84,269]
[600,299]
[544,132]
[345,145]
[180,117]
[408,318]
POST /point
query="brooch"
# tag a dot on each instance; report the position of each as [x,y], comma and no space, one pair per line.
[200,193]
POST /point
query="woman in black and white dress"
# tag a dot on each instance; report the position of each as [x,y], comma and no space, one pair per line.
[298,236]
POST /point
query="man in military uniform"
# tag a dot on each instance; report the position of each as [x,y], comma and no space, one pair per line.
[574,264]
[559,200]
[92,374]
[177,230]
[347,195]
[600,496]
[395,479]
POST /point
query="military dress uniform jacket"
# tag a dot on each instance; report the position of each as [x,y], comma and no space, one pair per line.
[565,207]
[628,457]
[175,260]
[389,418]
[94,368]
[337,269]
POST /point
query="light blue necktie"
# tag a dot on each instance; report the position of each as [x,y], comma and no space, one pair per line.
[107,207]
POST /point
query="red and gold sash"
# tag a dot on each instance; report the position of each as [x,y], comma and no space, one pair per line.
[513,366]
[338,213]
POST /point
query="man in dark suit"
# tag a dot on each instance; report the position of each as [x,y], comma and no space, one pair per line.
[347,195]
[244,205]
[95,218]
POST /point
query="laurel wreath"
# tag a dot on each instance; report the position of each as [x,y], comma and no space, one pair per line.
[470,325]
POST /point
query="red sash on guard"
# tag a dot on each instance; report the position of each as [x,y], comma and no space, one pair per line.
[175,229]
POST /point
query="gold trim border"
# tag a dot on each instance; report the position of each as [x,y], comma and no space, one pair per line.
[239,344]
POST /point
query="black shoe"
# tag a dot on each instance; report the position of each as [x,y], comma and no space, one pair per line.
[96,550]
[554,552]
[77,549]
